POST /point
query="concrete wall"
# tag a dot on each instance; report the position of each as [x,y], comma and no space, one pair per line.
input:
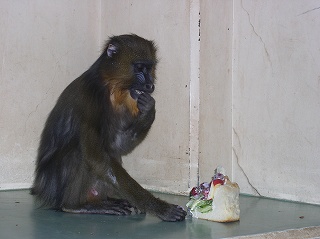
[260,96]
[239,88]
[215,87]
[276,98]
[44,45]
[162,161]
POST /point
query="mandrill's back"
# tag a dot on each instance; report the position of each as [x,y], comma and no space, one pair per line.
[59,153]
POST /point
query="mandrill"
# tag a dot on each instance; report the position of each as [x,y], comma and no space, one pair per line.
[103,114]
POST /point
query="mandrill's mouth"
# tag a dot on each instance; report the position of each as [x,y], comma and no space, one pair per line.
[139,89]
[135,93]
[139,92]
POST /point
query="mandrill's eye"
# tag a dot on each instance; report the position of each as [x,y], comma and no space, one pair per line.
[143,66]
[140,67]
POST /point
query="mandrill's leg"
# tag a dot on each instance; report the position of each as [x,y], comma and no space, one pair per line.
[111,206]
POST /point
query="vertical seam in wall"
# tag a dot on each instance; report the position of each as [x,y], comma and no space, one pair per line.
[194,92]
[232,92]
[100,28]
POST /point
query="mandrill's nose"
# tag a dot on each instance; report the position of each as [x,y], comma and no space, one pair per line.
[149,88]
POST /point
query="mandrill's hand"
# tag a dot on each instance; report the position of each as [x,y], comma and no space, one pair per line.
[146,104]
[171,213]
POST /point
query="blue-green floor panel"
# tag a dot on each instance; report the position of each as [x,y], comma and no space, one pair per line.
[20,217]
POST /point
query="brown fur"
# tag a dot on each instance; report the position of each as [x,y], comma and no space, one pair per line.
[121,98]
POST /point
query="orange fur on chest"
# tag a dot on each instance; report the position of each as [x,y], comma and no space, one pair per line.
[121,99]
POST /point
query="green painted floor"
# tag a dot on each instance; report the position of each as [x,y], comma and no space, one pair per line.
[20,218]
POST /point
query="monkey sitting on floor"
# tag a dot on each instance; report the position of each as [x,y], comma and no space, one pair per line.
[100,116]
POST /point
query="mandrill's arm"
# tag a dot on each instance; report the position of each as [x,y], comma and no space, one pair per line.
[131,134]
[145,117]
[112,173]
[141,198]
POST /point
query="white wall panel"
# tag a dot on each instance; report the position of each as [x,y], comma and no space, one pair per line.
[215,87]
[276,98]
[44,46]
[162,161]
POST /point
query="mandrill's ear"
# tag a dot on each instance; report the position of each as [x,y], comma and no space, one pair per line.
[111,50]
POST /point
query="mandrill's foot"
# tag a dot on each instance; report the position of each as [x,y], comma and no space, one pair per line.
[111,206]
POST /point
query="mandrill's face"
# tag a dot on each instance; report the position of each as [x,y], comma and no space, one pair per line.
[130,67]
[143,82]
